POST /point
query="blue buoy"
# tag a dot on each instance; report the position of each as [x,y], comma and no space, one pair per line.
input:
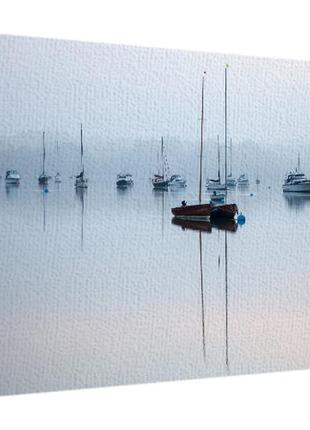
[241,219]
[251,194]
[46,190]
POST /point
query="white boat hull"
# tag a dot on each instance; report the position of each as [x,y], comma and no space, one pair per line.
[179,184]
[216,187]
[296,188]
[12,181]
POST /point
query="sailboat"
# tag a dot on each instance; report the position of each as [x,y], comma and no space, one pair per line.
[80,180]
[160,181]
[57,176]
[231,181]
[43,178]
[203,211]
[216,184]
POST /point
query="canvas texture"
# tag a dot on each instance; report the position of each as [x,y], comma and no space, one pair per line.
[106,277]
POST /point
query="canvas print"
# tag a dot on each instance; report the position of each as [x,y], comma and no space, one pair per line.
[155,209]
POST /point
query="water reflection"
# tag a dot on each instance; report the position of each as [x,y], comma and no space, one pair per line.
[206,226]
[80,193]
[297,200]
[44,196]
[226,303]
[202,300]
[167,304]
[11,190]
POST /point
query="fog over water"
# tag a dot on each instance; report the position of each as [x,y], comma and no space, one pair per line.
[128,97]
[100,286]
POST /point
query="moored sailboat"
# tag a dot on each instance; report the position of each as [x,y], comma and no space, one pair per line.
[231,181]
[43,178]
[80,180]
[205,211]
[216,184]
[160,180]
[57,176]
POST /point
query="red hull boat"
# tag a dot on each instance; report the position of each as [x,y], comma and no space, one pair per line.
[203,211]
[193,211]
[228,211]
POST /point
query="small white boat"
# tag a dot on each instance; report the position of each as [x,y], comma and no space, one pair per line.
[124,180]
[217,197]
[243,179]
[12,177]
[80,180]
[296,181]
[231,182]
[215,185]
[177,181]
[160,182]
[57,178]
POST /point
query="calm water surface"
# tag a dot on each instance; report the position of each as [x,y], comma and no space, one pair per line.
[100,288]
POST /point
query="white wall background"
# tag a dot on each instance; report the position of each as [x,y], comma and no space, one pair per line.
[262,28]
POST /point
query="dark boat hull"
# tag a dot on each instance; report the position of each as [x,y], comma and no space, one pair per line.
[193,211]
[224,211]
[196,212]
[43,180]
[160,185]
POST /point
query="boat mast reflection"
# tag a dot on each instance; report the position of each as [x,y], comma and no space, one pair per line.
[206,226]
[80,194]
[226,225]
[226,304]
[202,300]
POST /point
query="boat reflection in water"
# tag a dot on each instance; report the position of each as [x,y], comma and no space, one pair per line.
[227,225]
[297,200]
[206,226]
[80,193]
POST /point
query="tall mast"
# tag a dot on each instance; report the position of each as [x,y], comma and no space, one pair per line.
[201,134]
[298,162]
[218,159]
[225,126]
[82,148]
[43,163]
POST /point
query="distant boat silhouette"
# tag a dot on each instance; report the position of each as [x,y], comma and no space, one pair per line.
[80,180]
[43,178]
[160,180]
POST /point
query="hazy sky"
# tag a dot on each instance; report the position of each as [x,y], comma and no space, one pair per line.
[132,93]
